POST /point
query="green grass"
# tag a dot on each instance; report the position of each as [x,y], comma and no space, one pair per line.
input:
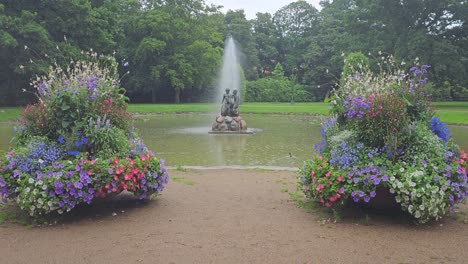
[183,180]
[452,112]
[254,108]
[9,113]
[449,112]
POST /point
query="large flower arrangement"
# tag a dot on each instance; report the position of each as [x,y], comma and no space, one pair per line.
[77,143]
[382,134]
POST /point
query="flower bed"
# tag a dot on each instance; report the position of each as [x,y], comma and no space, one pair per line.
[77,144]
[383,134]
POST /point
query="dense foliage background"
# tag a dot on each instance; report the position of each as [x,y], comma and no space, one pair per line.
[172,48]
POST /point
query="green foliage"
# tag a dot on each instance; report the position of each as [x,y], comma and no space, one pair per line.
[355,62]
[104,139]
[76,143]
[381,139]
[172,49]
[276,90]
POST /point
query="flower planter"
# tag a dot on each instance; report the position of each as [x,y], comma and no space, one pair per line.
[383,201]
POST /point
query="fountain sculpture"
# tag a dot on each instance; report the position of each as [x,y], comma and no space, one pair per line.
[229,120]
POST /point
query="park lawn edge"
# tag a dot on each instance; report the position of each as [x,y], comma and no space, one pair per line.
[454,113]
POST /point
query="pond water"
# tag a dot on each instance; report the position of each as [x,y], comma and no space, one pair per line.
[183,140]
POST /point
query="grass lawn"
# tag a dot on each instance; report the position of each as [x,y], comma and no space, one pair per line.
[9,113]
[449,112]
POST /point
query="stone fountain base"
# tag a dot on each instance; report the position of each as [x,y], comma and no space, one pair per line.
[229,125]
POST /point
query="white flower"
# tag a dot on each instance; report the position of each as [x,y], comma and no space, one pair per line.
[399,185]
[25,47]
[44,187]
[40,161]
[21,67]
[60,211]
[31,180]
[49,203]
[27,190]
[417,214]
[40,182]
[402,169]
[412,184]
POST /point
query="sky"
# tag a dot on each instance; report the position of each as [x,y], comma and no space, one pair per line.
[251,7]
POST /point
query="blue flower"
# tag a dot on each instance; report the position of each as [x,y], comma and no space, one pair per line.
[61,140]
[73,153]
[440,129]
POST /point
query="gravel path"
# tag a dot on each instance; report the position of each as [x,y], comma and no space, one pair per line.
[230,216]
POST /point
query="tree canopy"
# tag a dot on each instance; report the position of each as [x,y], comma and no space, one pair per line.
[170,50]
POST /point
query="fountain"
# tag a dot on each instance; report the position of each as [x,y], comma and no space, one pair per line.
[229,120]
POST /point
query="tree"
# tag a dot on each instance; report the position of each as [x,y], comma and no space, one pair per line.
[265,43]
[175,51]
[295,24]
[237,26]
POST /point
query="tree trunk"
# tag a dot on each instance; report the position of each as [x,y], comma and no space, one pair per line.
[177,95]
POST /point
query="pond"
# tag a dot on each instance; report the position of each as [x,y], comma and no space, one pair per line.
[183,140]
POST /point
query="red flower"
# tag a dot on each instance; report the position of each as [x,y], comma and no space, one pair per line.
[127,177]
[101,193]
[320,187]
[143,158]
[339,178]
[119,170]
[116,161]
[463,154]
[328,174]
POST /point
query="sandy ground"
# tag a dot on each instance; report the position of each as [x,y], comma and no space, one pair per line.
[230,216]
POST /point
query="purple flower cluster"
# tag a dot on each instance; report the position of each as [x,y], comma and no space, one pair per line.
[322,143]
[42,89]
[368,178]
[91,84]
[356,107]
[137,147]
[163,180]
[3,189]
[419,71]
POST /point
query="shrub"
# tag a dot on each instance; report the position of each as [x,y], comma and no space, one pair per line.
[383,135]
[77,143]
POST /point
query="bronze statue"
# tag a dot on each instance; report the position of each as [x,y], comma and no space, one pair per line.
[225,103]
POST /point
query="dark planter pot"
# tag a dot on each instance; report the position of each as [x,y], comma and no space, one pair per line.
[383,201]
